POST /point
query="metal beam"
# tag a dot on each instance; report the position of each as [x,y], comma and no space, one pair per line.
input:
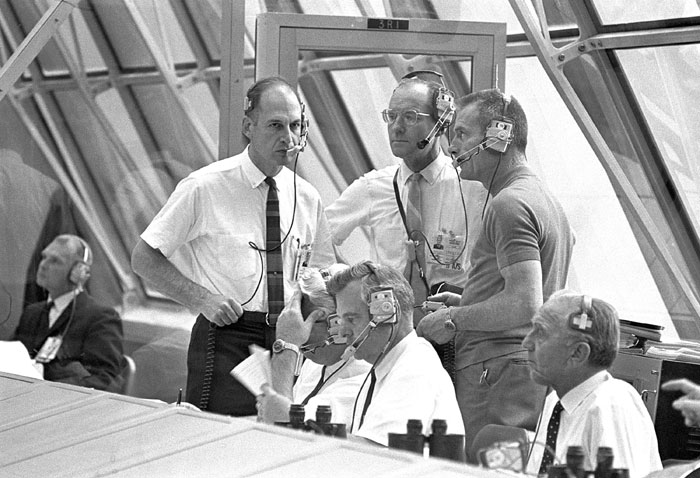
[171,81]
[30,47]
[233,76]
[621,184]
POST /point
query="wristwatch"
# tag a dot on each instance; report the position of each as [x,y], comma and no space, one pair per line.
[279,346]
[449,325]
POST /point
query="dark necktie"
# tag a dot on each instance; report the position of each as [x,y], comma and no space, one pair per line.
[368,397]
[316,388]
[552,431]
[414,223]
[275,274]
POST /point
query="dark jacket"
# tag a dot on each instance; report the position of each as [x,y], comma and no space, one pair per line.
[91,354]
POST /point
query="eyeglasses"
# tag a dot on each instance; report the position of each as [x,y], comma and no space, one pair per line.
[409,117]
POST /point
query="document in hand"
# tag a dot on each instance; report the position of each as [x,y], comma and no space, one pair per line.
[255,371]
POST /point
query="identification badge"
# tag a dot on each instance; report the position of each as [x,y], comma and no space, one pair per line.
[49,350]
[447,248]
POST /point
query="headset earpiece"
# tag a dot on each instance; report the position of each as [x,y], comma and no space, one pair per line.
[80,271]
[499,133]
[583,321]
[443,99]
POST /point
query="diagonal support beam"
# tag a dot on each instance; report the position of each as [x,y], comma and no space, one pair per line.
[30,47]
[531,25]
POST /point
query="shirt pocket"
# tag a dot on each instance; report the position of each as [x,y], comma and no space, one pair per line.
[234,255]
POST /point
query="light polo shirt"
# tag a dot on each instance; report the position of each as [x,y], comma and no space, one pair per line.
[369,203]
[411,384]
[602,411]
[341,384]
[207,225]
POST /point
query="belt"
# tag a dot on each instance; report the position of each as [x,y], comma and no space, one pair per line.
[256,318]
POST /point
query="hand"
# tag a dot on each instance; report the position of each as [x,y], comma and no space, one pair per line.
[432,327]
[291,326]
[272,407]
[690,408]
[688,388]
[222,310]
[450,299]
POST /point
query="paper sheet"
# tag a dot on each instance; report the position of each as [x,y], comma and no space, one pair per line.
[14,358]
[255,371]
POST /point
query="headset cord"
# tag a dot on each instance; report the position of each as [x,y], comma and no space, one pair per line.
[211,331]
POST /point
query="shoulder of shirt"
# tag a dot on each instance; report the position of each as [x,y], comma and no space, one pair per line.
[219,166]
[386,172]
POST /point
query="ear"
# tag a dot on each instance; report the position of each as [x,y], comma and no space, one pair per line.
[247,125]
[580,353]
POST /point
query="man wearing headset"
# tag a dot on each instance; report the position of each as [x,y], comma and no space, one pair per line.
[420,111]
[573,341]
[407,380]
[71,336]
[520,258]
[324,378]
[208,248]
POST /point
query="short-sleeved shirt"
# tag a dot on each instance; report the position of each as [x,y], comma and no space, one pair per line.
[522,222]
[370,203]
[208,224]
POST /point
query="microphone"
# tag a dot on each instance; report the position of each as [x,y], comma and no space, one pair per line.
[474,151]
[357,343]
[433,132]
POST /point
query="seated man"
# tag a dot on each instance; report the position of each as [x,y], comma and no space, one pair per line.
[76,339]
[324,378]
[574,339]
[407,380]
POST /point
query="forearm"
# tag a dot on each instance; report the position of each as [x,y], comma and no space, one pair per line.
[283,365]
[163,276]
[500,312]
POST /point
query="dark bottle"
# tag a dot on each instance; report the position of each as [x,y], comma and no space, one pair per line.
[604,461]
[413,440]
[297,414]
[574,461]
[323,414]
[443,445]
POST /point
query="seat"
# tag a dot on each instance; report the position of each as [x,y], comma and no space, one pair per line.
[129,376]
[500,446]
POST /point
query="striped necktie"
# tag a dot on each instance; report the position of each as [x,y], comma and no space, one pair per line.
[275,274]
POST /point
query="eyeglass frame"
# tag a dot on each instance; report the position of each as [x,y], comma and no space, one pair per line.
[418,114]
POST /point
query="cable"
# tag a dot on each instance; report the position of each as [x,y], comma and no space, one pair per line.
[211,332]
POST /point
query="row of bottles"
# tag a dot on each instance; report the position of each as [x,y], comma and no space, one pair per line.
[322,425]
[574,465]
[440,443]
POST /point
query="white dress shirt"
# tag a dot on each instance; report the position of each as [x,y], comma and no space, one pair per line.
[602,411]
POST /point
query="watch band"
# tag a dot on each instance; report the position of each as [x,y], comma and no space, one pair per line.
[280,346]
[449,324]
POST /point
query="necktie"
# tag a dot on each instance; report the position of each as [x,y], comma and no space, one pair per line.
[368,397]
[552,431]
[275,275]
[415,228]
[50,312]
[316,388]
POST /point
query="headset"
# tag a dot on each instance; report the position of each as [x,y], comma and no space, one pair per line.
[80,271]
[497,137]
[583,321]
[443,105]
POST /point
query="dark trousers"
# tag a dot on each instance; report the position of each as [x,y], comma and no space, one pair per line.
[211,356]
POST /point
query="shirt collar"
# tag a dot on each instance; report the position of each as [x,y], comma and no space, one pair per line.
[254,176]
[390,358]
[430,173]
[62,301]
[578,394]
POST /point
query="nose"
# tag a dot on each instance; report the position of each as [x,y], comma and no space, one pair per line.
[528,343]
